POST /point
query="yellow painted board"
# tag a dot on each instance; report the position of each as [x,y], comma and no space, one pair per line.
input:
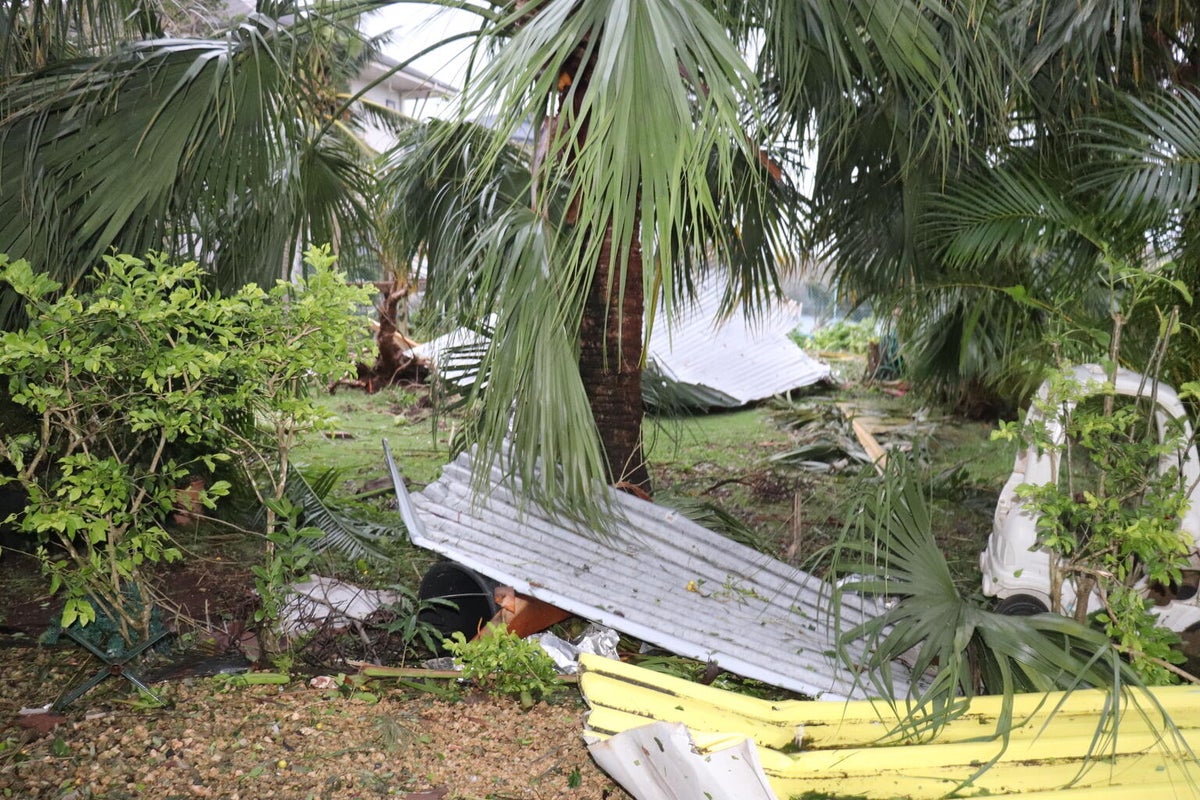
[838,724]
[1167,790]
[1020,775]
[1020,779]
[791,711]
[611,720]
[957,754]
[641,705]
[634,710]
[672,687]
[871,445]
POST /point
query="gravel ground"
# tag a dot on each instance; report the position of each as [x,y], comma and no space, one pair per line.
[293,741]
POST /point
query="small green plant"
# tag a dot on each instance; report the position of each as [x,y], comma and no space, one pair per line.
[395,734]
[12,751]
[406,620]
[289,552]
[504,664]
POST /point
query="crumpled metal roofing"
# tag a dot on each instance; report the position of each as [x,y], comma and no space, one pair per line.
[455,355]
[658,577]
[695,361]
[698,360]
[1086,744]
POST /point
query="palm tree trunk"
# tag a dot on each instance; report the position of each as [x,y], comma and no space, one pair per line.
[610,364]
[610,331]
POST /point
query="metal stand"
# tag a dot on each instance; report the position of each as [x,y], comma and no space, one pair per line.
[114,666]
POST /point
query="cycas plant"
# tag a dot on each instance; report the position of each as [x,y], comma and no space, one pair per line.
[353,538]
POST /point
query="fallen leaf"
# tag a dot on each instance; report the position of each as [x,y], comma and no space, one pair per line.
[41,723]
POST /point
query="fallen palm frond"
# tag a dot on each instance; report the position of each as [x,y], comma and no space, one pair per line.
[715,518]
[832,435]
[961,648]
[351,537]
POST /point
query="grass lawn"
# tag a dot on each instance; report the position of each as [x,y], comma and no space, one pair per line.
[728,462]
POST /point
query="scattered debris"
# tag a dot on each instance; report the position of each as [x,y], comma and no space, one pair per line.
[694,361]
[323,682]
[660,761]
[595,639]
[203,663]
[41,723]
[832,436]
[656,576]
[428,794]
[454,357]
[320,602]
[525,615]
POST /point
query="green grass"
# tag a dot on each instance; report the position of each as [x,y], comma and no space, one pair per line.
[364,420]
[722,459]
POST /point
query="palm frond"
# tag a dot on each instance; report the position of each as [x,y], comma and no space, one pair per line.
[526,247]
[896,56]
[1006,211]
[352,538]
[35,33]
[954,646]
[715,518]
[1154,166]
[201,147]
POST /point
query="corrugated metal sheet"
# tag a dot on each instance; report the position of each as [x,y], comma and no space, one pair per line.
[695,362]
[658,577]
[455,356]
[729,363]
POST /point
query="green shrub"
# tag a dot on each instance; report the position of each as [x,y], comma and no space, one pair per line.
[843,336]
[1111,517]
[142,378]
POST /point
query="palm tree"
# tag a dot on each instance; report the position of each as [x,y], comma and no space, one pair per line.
[1073,73]
[228,149]
[648,171]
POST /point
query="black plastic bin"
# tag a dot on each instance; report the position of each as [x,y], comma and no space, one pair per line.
[473,596]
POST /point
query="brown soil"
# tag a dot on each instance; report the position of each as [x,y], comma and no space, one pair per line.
[218,739]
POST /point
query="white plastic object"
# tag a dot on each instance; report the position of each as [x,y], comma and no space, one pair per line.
[1013,563]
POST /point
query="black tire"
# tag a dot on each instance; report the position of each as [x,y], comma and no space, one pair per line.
[1020,605]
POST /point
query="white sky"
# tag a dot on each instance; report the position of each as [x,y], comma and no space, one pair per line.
[414,27]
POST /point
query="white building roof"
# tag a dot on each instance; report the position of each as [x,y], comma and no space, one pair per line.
[406,83]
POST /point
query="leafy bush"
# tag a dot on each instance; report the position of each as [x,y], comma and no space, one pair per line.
[141,379]
[504,664]
[845,336]
[1111,516]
